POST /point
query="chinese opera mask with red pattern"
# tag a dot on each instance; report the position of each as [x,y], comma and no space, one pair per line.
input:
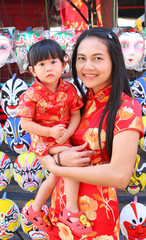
[10,93]
[9,218]
[22,45]
[6,170]
[28,172]
[133,221]
[28,227]
[66,40]
[17,139]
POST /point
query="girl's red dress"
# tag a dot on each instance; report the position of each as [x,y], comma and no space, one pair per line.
[48,109]
[100,204]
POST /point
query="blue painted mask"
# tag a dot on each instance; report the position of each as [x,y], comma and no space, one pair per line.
[139,91]
[18,140]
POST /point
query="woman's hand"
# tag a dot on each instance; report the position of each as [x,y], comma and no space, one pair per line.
[75,156]
[71,157]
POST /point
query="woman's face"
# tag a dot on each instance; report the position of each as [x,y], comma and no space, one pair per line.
[93,64]
[133,48]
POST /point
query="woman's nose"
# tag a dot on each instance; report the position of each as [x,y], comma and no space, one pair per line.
[89,65]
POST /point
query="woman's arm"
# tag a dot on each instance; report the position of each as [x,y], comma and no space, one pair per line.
[117,173]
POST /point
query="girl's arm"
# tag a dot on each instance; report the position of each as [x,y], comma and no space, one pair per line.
[72,126]
[34,128]
[74,121]
[117,173]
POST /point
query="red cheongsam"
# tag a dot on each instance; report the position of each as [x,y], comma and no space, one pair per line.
[100,204]
[48,109]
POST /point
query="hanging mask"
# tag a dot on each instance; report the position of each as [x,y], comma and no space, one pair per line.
[66,40]
[10,94]
[22,45]
[1,134]
[6,46]
[17,139]
[133,221]
[5,49]
[28,227]
[138,180]
[28,172]
[142,141]
[6,170]
[9,218]
[139,91]
[133,45]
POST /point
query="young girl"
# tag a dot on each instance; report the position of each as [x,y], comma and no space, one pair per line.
[111,125]
[50,112]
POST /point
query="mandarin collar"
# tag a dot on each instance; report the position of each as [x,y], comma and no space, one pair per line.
[98,95]
[39,86]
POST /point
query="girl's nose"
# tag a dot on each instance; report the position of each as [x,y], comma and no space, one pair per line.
[48,67]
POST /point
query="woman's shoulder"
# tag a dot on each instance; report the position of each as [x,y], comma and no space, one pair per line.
[127,101]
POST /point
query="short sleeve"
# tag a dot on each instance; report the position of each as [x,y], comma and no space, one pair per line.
[129,117]
[26,107]
[76,102]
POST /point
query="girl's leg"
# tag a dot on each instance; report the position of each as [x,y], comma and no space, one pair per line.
[44,192]
[71,190]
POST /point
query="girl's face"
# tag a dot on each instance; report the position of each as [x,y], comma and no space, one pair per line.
[133,48]
[93,64]
[48,71]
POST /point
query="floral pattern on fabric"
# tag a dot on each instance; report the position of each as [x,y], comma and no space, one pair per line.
[48,109]
[99,204]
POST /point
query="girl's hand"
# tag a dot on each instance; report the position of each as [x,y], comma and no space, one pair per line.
[57,131]
[63,139]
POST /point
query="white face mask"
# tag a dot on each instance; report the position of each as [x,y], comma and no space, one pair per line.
[5,50]
[133,45]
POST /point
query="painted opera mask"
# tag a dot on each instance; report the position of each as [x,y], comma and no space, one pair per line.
[28,172]
[10,94]
[17,139]
[133,45]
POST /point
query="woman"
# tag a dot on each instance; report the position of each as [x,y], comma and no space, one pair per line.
[106,139]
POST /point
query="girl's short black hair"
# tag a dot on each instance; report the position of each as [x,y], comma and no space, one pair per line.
[44,49]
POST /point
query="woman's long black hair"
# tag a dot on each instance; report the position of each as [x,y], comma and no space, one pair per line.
[119,79]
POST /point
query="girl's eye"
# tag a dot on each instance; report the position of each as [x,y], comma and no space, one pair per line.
[41,64]
[53,62]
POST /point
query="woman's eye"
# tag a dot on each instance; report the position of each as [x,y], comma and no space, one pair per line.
[80,58]
[98,58]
